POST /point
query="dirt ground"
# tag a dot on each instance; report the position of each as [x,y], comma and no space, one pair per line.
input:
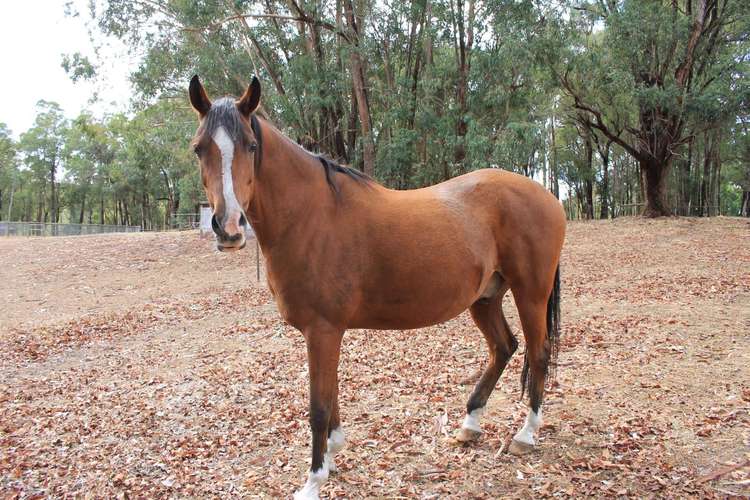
[148,365]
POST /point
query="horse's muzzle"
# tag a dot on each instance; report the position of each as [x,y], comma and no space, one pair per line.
[226,241]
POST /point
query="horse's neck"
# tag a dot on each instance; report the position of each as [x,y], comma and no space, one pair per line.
[290,192]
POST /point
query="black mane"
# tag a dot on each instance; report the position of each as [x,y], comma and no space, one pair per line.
[224,113]
[330,167]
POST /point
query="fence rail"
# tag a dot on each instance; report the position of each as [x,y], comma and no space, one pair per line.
[53,229]
[185,221]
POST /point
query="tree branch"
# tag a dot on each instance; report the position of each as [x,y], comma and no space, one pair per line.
[598,122]
[303,18]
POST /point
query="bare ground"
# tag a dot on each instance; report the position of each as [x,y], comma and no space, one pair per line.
[147,365]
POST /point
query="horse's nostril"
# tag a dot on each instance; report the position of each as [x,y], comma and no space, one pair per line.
[217,228]
[223,235]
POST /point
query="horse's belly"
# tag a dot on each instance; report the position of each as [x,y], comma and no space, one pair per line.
[408,306]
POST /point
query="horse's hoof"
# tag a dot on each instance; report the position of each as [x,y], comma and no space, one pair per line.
[465,435]
[518,448]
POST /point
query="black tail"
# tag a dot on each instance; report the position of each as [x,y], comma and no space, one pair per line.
[553,336]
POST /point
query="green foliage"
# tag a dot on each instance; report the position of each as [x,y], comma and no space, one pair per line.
[538,77]
[8,167]
[78,67]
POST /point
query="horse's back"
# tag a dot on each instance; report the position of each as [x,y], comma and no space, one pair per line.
[429,253]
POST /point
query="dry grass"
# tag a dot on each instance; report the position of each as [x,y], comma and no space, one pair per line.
[146,365]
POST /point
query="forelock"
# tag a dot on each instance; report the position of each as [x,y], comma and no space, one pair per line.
[224,113]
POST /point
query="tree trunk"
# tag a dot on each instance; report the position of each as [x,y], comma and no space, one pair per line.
[706,179]
[360,92]
[604,211]
[53,200]
[715,186]
[588,185]
[171,210]
[616,188]
[685,184]
[589,188]
[127,214]
[10,203]
[351,132]
[416,70]
[603,147]
[745,205]
[553,179]
[83,207]
[654,182]
[144,212]
[463,53]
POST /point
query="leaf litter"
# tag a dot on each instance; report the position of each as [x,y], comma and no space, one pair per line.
[159,368]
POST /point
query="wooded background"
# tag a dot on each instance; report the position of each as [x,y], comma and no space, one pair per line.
[618,107]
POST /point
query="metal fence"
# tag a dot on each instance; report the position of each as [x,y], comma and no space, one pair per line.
[50,229]
[185,221]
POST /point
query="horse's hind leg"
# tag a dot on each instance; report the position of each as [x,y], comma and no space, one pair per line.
[533,316]
[488,315]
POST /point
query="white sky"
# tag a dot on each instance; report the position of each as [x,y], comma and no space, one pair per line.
[34,36]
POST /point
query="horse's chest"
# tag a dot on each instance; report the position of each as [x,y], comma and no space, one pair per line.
[301,303]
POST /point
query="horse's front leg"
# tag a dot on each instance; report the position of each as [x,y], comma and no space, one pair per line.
[336,438]
[323,349]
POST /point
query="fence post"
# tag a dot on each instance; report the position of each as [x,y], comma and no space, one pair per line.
[257,260]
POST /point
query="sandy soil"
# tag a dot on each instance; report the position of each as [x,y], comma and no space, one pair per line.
[148,365]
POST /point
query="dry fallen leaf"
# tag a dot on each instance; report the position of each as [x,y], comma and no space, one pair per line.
[148,366]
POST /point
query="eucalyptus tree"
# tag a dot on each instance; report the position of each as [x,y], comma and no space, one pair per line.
[577,165]
[89,150]
[8,170]
[297,44]
[42,147]
[736,193]
[168,126]
[647,73]
[417,91]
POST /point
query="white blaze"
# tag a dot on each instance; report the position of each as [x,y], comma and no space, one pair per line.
[225,143]
[533,422]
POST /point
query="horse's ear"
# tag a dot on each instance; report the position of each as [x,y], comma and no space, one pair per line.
[250,99]
[198,97]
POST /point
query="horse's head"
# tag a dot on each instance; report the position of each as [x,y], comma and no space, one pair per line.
[226,147]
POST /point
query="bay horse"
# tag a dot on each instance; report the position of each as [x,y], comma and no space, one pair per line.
[344,252]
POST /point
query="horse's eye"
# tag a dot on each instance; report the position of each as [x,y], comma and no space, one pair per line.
[197,150]
[252,147]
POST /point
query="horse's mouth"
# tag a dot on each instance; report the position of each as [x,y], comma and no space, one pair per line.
[223,247]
